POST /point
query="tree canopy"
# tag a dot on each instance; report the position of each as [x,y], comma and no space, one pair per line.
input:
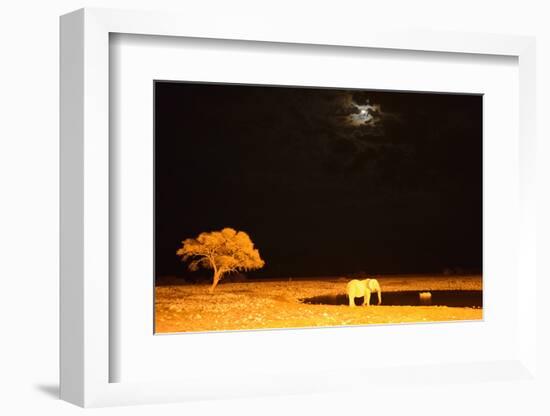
[222,251]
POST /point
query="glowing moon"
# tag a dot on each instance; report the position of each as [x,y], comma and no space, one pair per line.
[364,117]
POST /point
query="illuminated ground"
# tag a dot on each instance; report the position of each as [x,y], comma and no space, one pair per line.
[276,304]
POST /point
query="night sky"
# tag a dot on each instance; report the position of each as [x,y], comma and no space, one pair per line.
[326,182]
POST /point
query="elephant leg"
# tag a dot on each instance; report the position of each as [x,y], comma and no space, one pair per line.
[366,299]
[379,297]
[351,301]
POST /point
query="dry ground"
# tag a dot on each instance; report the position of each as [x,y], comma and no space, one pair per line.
[276,304]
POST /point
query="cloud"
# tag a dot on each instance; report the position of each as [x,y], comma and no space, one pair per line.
[367,115]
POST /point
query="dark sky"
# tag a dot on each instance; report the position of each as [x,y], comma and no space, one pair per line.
[325,181]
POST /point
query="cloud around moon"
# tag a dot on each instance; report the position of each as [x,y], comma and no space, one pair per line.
[367,116]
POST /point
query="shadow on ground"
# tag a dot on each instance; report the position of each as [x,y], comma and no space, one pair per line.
[51,390]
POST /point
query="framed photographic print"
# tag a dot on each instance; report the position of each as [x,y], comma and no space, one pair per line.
[230,197]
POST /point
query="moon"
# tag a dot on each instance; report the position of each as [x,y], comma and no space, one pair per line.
[363,117]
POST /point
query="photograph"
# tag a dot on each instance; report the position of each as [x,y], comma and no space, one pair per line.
[281,207]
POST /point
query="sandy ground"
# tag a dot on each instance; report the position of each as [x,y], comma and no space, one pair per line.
[277,304]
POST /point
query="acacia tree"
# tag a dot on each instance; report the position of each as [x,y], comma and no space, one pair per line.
[222,251]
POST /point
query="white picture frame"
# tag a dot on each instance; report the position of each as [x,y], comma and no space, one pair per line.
[85,355]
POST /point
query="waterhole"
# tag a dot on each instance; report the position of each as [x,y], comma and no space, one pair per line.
[452,298]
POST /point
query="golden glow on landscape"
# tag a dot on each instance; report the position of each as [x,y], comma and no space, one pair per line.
[279,304]
[291,303]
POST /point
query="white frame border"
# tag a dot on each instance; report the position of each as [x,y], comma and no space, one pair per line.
[84,234]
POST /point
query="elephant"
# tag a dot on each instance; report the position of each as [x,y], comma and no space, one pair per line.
[363,288]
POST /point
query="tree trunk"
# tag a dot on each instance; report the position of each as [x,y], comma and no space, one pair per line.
[215,281]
